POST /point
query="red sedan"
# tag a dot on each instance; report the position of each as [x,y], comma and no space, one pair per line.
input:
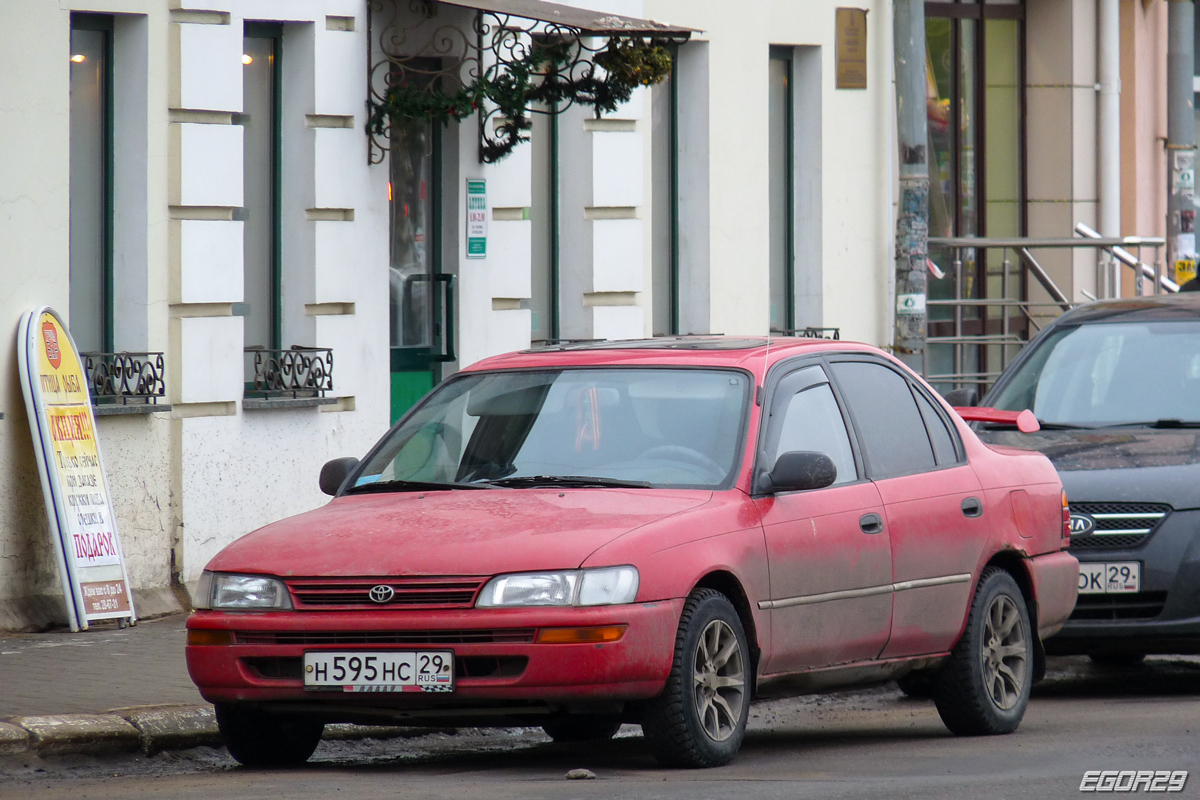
[655,532]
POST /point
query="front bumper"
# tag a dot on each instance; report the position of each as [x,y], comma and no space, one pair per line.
[263,666]
[1164,617]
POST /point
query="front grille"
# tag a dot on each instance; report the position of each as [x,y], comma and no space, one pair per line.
[424,592]
[500,636]
[1136,605]
[1118,525]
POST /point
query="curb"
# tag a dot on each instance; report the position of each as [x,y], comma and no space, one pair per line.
[150,729]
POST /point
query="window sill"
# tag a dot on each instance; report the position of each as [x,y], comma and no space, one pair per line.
[279,403]
[117,410]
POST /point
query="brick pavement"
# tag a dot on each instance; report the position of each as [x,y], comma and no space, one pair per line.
[89,672]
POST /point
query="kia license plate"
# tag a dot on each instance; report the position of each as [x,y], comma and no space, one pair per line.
[350,671]
[1110,577]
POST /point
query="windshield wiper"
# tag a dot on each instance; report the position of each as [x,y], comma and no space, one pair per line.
[1046,426]
[580,481]
[411,486]
[1170,422]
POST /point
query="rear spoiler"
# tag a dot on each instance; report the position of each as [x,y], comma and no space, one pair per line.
[1025,421]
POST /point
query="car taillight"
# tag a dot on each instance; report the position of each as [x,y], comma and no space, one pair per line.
[1066,517]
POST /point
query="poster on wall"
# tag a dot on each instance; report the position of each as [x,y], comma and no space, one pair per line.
[476,218]
[78,505]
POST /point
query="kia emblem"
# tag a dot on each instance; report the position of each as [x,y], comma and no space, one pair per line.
[1082,524]
[381,593]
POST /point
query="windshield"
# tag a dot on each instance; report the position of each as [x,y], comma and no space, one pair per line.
[633,426]
[1111,374]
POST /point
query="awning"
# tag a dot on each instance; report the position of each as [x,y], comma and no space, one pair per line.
[587,21]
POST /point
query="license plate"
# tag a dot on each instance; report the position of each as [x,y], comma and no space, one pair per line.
[419,671]
[1112,577]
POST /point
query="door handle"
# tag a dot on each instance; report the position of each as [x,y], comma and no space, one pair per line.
[971,507]
[870,523]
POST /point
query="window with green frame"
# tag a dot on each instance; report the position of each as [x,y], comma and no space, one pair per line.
[91,182]
[260,120]
[781,191]
[664,180]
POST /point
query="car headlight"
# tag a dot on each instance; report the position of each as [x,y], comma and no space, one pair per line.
[219,590]
[608,586]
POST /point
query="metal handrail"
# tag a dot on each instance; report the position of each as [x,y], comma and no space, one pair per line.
[1006,310]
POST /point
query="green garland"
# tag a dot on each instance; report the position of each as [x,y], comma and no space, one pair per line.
[541,77]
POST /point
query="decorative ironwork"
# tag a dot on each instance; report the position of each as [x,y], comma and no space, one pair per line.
[816,333]
[298,372]
[125,378]
[436,68]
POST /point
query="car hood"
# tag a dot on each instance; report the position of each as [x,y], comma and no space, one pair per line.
[1140,465]
[451,532]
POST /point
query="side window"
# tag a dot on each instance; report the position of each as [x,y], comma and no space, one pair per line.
[943,442]
[806,417]
[890,428]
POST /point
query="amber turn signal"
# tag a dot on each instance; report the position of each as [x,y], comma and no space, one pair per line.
[206,637]
[605,633]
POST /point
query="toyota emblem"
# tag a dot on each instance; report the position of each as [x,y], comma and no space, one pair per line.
[381,593]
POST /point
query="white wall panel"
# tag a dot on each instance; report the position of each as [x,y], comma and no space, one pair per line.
[510,253]
[210,261]
[617,255]
[210,352]
[339,264]
[210,67]
[617,158]
[210,165]
[618,322]
[339,156]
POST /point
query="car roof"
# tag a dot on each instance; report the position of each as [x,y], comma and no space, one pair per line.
[1185,305]
[754,354]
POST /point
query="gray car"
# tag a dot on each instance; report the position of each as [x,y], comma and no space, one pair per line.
[1116,387]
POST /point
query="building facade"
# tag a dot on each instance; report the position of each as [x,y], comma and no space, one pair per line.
[193,183]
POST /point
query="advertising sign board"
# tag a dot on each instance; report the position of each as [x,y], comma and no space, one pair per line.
[78,505]
[476,218]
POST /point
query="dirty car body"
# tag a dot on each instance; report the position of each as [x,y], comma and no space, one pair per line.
[583,535]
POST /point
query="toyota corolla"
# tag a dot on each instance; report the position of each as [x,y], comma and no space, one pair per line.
[653,532]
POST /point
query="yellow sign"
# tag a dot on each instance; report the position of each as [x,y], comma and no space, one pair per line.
[73,482]
[851,48]
[1185,270]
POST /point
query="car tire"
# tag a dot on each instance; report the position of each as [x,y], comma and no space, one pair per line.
[582,728]
[258,739]
[700,718]
[983,688]
[1117,659]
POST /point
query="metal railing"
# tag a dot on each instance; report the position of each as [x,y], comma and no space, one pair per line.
[125,378]
[974,334]
[295,373]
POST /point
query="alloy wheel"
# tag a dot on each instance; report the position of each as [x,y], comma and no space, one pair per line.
[1004,653]
[719,680]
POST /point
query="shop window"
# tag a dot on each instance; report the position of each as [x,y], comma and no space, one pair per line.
[781,192]
[91,182]
[664,180]
[261,101]
[975,66]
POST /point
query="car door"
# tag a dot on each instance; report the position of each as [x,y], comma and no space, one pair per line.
[828,550]
[933,501]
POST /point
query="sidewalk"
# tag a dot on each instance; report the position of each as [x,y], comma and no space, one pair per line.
[111,690]
[92,671]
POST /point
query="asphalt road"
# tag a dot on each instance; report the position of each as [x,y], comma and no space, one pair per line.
[867,744]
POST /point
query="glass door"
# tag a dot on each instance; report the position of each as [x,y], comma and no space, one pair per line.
[421,313]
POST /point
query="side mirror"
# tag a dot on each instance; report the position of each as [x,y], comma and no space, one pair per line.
[334,473]
[962,398]
[799,470]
